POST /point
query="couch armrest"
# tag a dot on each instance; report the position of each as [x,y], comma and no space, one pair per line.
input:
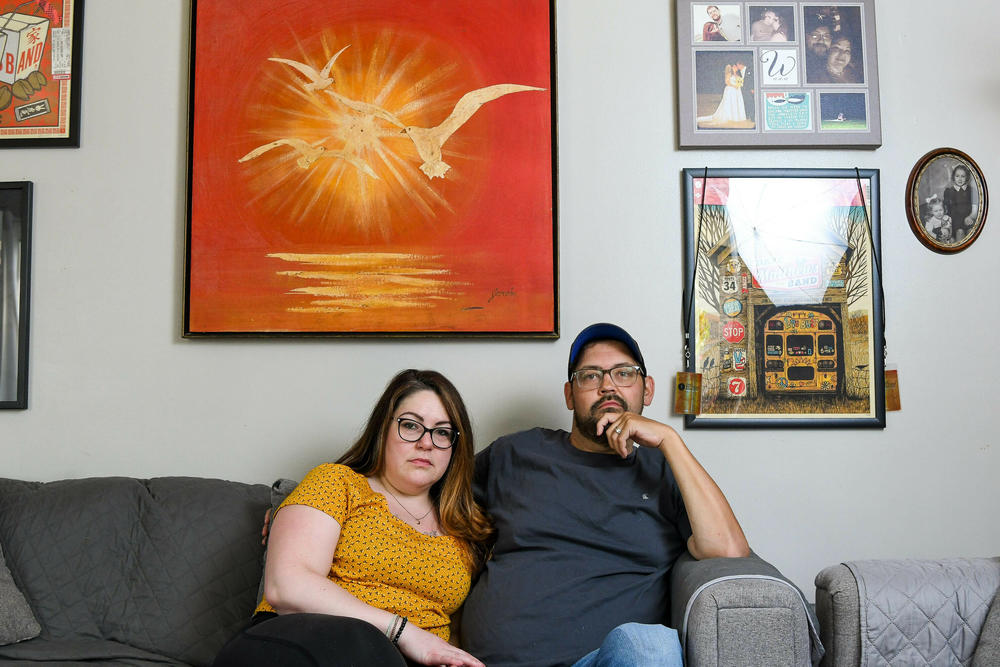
[740,611]
[906,611]
[839,620]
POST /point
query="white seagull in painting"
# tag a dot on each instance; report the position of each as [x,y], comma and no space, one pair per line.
[366,108]
[309,153]
[317,80]
[429,140]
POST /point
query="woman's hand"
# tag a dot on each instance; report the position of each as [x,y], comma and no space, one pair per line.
[429,649]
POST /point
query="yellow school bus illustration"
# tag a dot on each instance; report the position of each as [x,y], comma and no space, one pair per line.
[803,353]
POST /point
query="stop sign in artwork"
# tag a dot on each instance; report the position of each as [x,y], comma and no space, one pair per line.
[733,331]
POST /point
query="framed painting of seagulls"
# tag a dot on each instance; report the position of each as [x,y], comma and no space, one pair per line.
[384,168]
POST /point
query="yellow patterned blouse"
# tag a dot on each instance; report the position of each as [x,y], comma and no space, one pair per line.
[381,560]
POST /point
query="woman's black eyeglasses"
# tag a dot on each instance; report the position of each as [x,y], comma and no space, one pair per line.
[442,437]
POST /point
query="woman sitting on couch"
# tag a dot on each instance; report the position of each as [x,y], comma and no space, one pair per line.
[372,554]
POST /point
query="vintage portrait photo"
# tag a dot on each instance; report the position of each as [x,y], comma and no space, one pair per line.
[716,23]
[771,23]
[946,200]
[724,86]
[834,45]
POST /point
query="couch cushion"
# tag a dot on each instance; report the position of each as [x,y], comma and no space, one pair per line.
[79,652]
[167,565]
[17,623]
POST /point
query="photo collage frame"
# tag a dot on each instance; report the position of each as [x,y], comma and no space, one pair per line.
[777,74]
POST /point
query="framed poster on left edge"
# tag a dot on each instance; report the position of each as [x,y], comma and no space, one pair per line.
[15,292]
[384,168]
[787,323]
[41,52]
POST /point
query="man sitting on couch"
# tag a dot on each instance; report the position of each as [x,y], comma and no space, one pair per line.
[590,522]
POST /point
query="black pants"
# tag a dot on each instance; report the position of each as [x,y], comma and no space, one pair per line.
[309,640]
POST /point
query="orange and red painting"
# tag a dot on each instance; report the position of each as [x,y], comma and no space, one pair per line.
[372,167]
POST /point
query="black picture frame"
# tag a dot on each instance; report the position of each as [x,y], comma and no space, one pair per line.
[962,207]
[42,110]
[15,283]
[783,300]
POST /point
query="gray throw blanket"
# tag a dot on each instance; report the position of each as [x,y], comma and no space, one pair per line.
[917,612]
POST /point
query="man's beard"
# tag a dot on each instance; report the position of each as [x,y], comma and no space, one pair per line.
[587,424]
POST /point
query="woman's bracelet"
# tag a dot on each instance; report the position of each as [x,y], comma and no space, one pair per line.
[391,630]
[395,640]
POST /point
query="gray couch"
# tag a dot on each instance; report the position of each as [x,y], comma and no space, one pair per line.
[910,612]
[132,572]
[164,571]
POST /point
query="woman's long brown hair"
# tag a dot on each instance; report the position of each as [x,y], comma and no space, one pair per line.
[458,513]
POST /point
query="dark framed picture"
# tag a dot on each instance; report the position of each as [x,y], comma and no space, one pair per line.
[383,168]
[946,200]
[15,272]
[778,74]
[41,53]
[783,297]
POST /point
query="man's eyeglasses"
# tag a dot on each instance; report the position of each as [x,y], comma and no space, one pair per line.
[592,378]
[442,437]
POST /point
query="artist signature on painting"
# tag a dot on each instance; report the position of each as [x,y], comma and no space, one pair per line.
[501,292]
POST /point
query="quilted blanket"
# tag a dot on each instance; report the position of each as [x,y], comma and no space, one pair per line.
[916,612]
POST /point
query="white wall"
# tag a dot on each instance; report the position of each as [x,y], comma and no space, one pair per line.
[114,390]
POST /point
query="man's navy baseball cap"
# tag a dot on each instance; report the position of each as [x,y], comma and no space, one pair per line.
[604,331]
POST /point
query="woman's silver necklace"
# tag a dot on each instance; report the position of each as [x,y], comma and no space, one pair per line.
[415,517]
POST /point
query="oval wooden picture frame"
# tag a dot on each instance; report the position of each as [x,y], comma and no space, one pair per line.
[928,187]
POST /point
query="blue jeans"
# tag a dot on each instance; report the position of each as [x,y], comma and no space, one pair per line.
[636,645]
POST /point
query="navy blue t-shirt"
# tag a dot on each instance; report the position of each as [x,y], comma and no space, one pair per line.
[585,542]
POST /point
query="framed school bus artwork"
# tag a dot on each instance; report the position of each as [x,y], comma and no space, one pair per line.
[777,74]
[383,168]
[41,47]
[783,297]
[946,200]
